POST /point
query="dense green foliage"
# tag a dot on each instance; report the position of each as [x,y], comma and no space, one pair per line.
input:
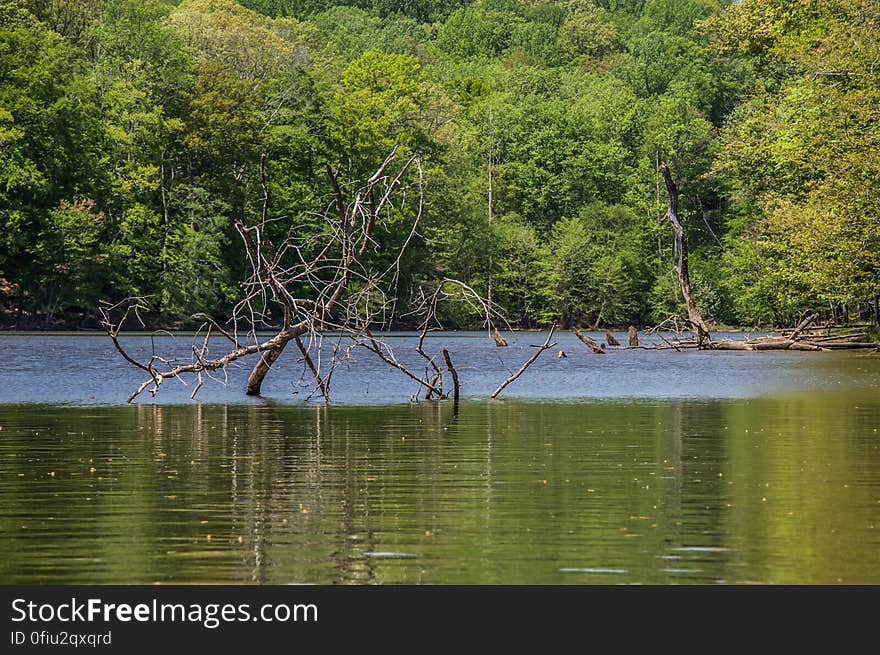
[131,133]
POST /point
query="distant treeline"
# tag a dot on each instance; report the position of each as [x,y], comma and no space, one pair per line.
[131,135]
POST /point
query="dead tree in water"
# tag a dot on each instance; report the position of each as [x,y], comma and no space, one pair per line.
[798,338]
[348,294]
[633,336]
[599,349]
[695,319]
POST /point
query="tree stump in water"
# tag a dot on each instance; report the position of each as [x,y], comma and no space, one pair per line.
[610,340]
[500,341]
[633,337]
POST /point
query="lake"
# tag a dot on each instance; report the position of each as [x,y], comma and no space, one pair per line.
[631,467]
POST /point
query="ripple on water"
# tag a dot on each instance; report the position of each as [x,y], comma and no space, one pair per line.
[592,570]
[390,554]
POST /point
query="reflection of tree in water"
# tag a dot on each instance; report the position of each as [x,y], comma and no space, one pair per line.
[694,456]
[503,492]
[297,491]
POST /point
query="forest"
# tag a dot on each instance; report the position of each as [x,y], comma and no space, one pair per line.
[136,134]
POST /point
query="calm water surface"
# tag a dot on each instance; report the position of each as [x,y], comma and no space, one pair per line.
[635,467]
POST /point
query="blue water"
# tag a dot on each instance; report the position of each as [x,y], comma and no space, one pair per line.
[85,369]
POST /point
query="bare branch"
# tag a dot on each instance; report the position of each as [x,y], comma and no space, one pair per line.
[300,294]
[315,373]
[376,347]
[546,345]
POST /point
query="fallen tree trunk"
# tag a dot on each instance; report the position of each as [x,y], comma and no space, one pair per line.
[262,367]
[849,336]
[801,345]
[843,345]
[809,318]
[764,344]
[731,344]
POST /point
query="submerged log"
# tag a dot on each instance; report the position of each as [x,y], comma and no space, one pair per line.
[633,335]
[610,340]
[592,345]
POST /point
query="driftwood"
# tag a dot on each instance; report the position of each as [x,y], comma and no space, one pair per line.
[528,363]
[763,343]
[610,340]
[806,335]
[633,336]
[786,343]
[803,324]
[843,336]
[844,345]
[599,349]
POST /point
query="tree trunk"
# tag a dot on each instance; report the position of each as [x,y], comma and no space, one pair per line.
[803,324]
[599,349]
[166,228]
[877,311]
[267,359]
[455,384]
[694,317]
[633,335]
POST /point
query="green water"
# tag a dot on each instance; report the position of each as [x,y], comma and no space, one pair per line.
[781,490]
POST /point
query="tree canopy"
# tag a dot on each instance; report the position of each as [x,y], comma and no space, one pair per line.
[132,131]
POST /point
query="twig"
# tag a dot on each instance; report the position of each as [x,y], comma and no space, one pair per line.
[315,373]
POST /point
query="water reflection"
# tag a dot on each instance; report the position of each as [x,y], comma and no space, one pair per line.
[776,490]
